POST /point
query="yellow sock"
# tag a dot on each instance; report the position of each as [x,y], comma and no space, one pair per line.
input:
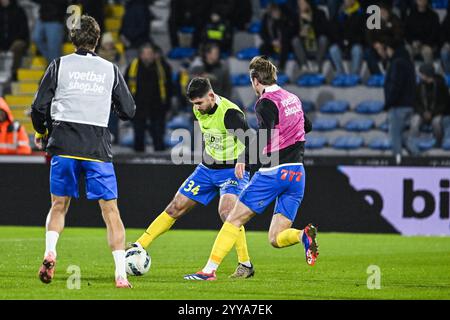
[241,246]
[224,242]
[288,238]
[160,225]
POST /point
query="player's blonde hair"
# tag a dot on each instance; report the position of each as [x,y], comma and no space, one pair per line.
[263,70]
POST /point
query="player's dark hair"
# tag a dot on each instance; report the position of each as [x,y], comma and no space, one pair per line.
[86,34]
[198,88]
[263,70]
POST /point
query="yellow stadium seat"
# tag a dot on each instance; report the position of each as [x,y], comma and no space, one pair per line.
[113,24]
[68,48]
[30,75]
[28,125]
[21,88]
[120,47]
[115,11]
[39,63]
[19,101]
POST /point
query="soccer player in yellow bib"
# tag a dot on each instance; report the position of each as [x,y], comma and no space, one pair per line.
[218,118]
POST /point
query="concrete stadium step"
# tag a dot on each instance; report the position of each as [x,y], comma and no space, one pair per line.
[19,101]
[29,75]
[24,88]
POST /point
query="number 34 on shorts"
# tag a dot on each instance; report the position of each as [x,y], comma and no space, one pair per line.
[191,186]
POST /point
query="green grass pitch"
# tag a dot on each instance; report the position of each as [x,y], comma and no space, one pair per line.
[411,267]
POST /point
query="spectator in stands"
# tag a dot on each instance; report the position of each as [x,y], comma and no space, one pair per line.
[150,82]
[14,36]
[188,13]
[445,35]
[431,101]
[348,36]
[48,32]
[109,51]
[135,30]
[391,27]
[422,31]
[399,90]
[276,34]
[219,31]
[210,66]
[446,125]
[237,13]
[13,137]
[95,9]
[312,35]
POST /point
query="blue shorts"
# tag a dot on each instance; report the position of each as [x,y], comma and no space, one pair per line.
[204,184]
[285,184]
[100,178]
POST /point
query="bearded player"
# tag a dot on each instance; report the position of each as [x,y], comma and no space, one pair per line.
[282,179]
[219,119]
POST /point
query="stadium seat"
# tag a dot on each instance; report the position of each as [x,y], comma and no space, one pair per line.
[346,80]
[325,124]
[30,75]
[311,80]
[169,141]
[180,53]
[426,143]
[439,4]
[376,81]
[180,122]
[380,143]
[308,106]
[370,107]
[448,80]
[240,80]
[316,142]
[384,126]
[348,142]
[247,54]
[282,79]
[359,125]
[335,106]
[252,120]
[446,144]
[188,30]
[255,27]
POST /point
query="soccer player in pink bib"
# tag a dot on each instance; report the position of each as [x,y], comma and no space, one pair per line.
[280,179]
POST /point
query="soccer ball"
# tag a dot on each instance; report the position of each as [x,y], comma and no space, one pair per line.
[137,261]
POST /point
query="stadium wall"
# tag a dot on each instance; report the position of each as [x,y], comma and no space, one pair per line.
[360,199]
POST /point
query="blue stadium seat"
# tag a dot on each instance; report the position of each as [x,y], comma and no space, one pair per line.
[439,4]
[169,142]
[187,29]
[384,126]
[282,79]
[247,53]
[380,143]
[308,105]
[360,125]
[180,122]
[376,81]
[350,142]
[252,120]
[426,143]
[335,106]
[346,80]
[446,144]
[255,27]
[316,142]
[370,107]
[325,124]
[180,53]
[240,80]
[311,80]
[448,80]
